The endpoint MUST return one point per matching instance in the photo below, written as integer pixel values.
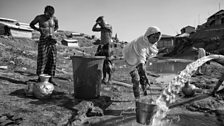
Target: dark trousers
(138, 78)
(104, 50)
(107, 69)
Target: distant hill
(211, 39)
(84, 41)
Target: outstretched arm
(142, 73)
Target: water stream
(169, 94)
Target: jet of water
(169, 94)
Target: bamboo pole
(130, 85)
(189, 100)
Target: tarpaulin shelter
(208, 34)
(70, 42)
(14, 28)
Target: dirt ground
(116, 101)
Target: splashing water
(169, 94)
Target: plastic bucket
(87, 74)
(145, 112)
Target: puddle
(166, 67)
(165, 78)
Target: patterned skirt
(46, 58)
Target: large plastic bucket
(145, 112)
(87, 74)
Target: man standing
(106, 39)
(46, 58)
(136, 53)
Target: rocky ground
(17, 68)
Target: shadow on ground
(63, 100)
(25, 73)
(12, 80)
(120, 117)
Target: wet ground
(116, 101)
(122, 111)
(201, 111)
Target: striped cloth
(46, 58)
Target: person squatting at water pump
(46, 59)
(136, 53)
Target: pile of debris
(81, 112)
(10, 119)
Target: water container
(145, 112)
(43, 89)
(87, 75)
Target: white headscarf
(149, 31)
(138, 50)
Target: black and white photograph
(111, 62)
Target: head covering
(138, 50)
(149, 31)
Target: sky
(128, 18)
